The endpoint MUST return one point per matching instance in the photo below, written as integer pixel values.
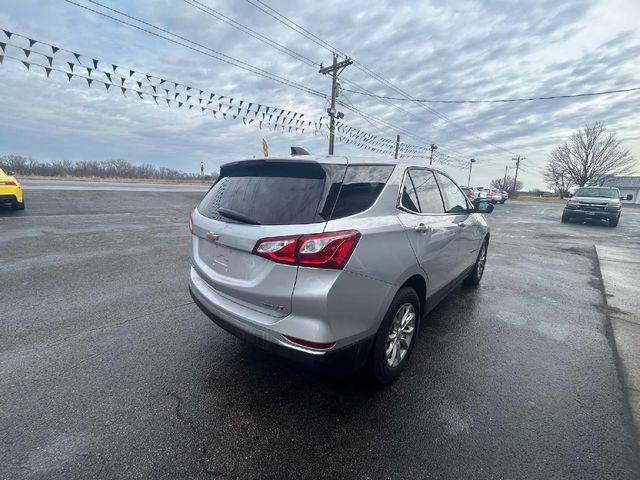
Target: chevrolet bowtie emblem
(212, 236)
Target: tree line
(116, 168)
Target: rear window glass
(287, 193)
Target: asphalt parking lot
(108, 370)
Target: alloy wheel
(400, 334)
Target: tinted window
(421, 193)
(287, 193)
(596, 192)
(360, 188)
(273, 193)
(454, 199)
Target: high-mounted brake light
(320, 250)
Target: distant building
(626, 185)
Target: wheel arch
(419, 284)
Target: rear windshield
(283, 193)
(596, 192)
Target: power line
(500, 100)
(214, 53)
(249, 31)
(314, 38)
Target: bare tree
(591, 152)
(557, 179)
(505, 183)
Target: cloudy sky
(433, 50)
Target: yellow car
(10, 191)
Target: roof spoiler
(298, 151)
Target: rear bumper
(9, 198)
(589, 214)
(343, 360)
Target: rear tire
(19, 206)
(478, 269)
(565, 218)
(396, 337)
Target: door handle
(462, 224)
(422, 228)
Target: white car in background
(476, 194)
(496, 195)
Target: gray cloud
(431, 49)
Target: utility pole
(518, 159)
(471, 162)
(504, 182)
(397, 146)
(335, 69)
(433, 147)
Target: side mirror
(629, 197)
(484, 207)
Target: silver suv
(333, 261)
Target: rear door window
(420, 192)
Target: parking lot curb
(620, 274)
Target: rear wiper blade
(241, 217)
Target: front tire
(565, 218)
(478, 269)
(396, 337)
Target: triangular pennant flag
(251, 120)
(154, 89)
(200, 101)
(294, 115)
(2, 45)
(162, 80)
(139, 84)
(122, 79)
(8, 34)
(250, 103)
(32, 42)
(123, 91)
(140, 95)
(190, 107)
(175, 85)
(77, 55)
(211, 96)
(175, 97)
(155, 98)
(115, 67)
(179, 104)
(188, 97)
(166, 90)
(267, 110)
(107, 86)
(260, 124)
(239, 110)
(235, 116)
(221, 97)
(241, 102)
(131, 72)
(54, 50)
(95, 63)
(70, 75)
(89, 81)
(89, 70)
(26, 64)
(108, 75)
(188, 88)
(148, 78)
(50, 59)
(48, 70)
(203, 109)
(244, 120)
(224, 115)
(214, 114)
(168, 101)
(26, 52)
(230, 101)
(259, 107)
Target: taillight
(191, 222)
(321, 250)
(8, 182)
(470, 194)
